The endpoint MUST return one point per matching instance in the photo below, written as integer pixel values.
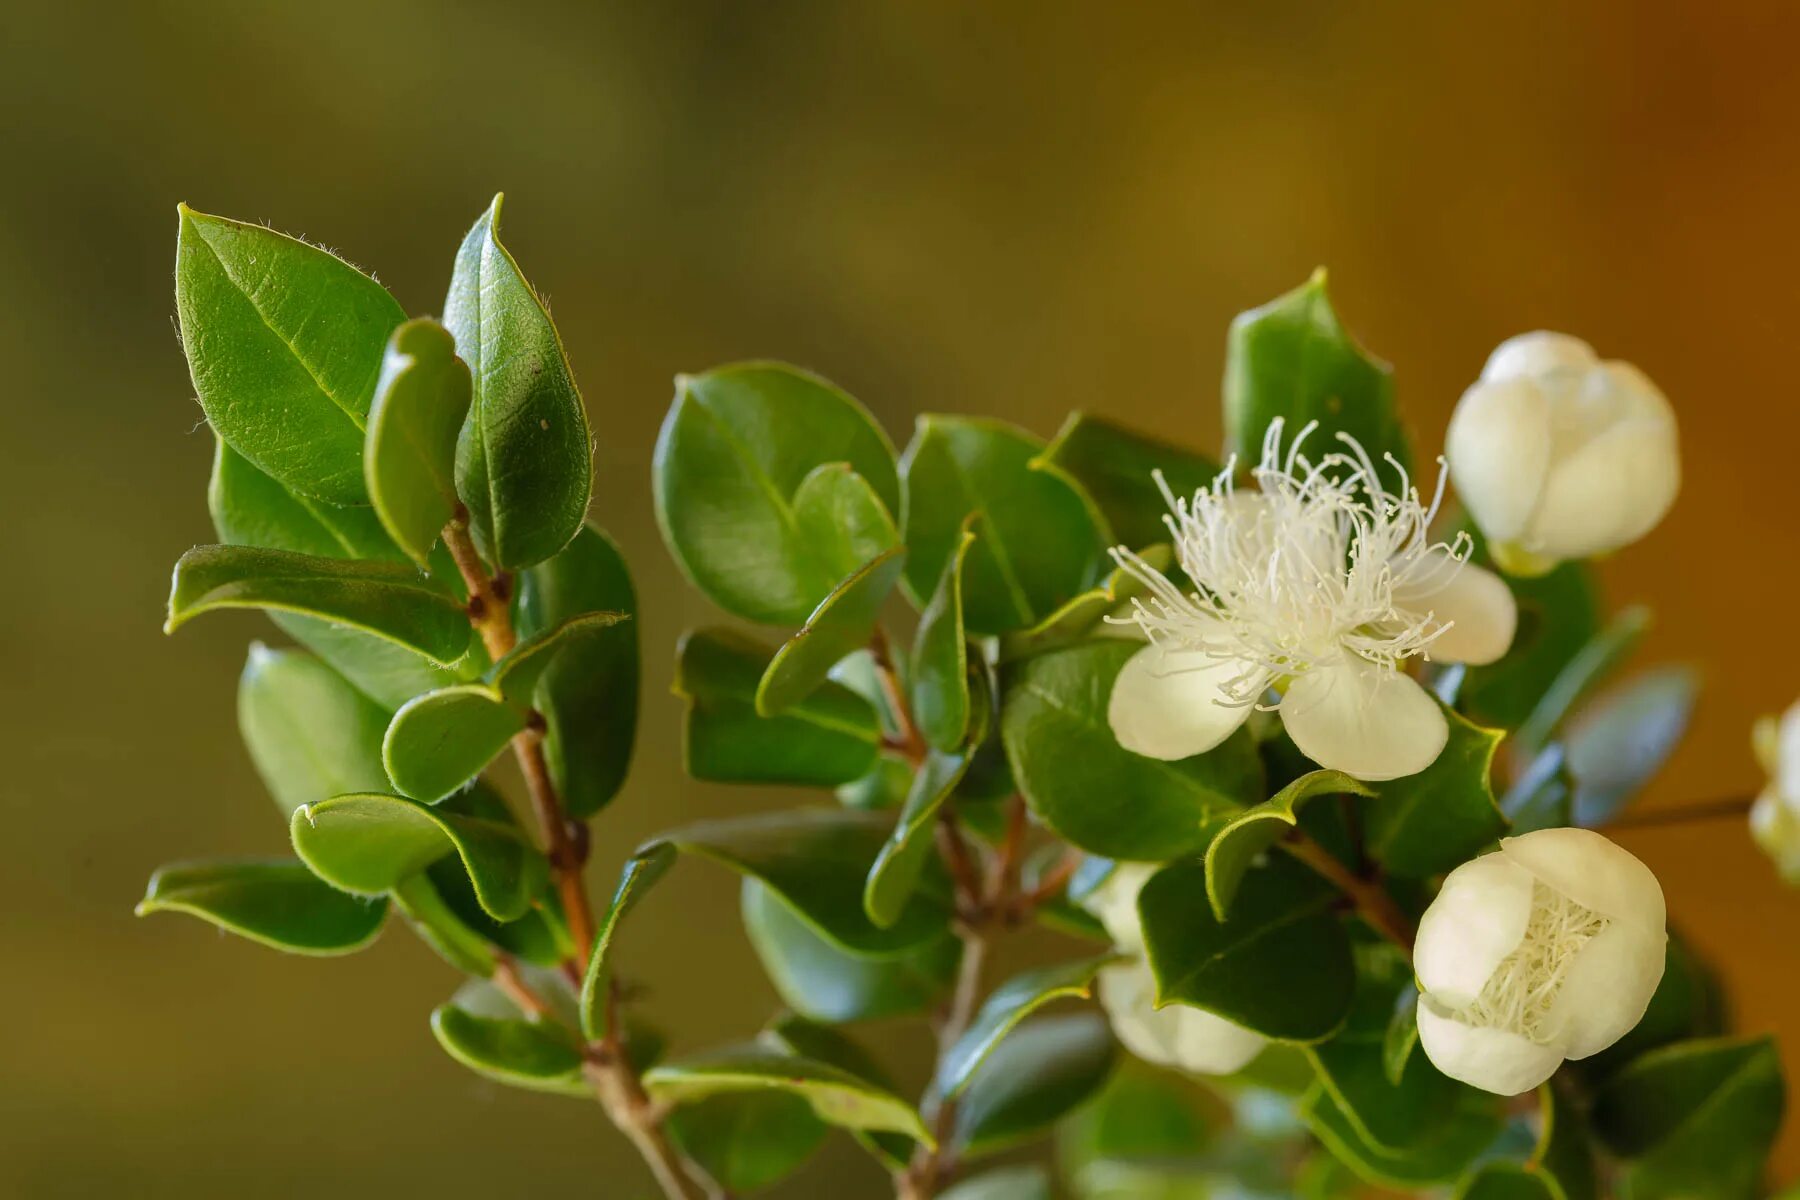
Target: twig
(1004, 879)
(1372, 902)
(971, 905)
(508, 980)
(907, 742)
(930, 1169)
(637, 1117)
(1048, 888)
(1681, 814)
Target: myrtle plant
(1289, 770)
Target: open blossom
(1546, 949)
(1775, 817)
(1318, 586)
(1559, 455)
(1189, 1039)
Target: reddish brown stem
(907, 741)
(1682, 814)
(1372, 902)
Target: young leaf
(438, 742)
(940, 674)
(736, 449)
(1116, 468)
(1045, 1069)
(539, 1055)
(1085, 615)
(747, 1141)
(385, 599)
(1005, 1007)
(1037, 543)
(1091, 791)
(640, 874)
(524, 464)
(516, 676)
(277, 902)
(409, 451)
(1622, 740)
(842, 520)
(1254, 830)
(310, 734)
(1428, 823)
(836, 1096)
(895, 873)
(284, 342)
(841, 624)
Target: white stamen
(1522, 990)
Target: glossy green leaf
(1085, 615)
(1116, 468)
(385, 599)
(1282, 964)
(1401, 1038)
(736, 449)
(1037, 543)
(523, 462)
(896, 871)
(1694, 1119)
(1241, 842)
(1542, 796)
(1439, 1157)
(836, 1048)
(1619, 743)
(250, 508)
(1033, 1078)
(438, 742)
(1143, 1115)
(1592, 663)
(540, 937)
(747, 1141)
(1505, 1181)
(518, 674)
(836, 1096)
(310, 734)
(1003, 1010)
(1091, 791)
(1559, 614)
(367, 844)
(409, 449)
(1564, 1154)
(1428, 823)
(277, 902)
(821, 980)
(441, 928)
(1292, 359)
(831, 737)
(284, 342)
(884, 786)
(940, 658)
(588, 696)
(816, 860)
(539, 1055)
(842, 623)
(640, 873)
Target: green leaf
(640, 873)
(1005, 1007)
(588, 696)
(1565, 1153)
(1293, 360)
(836, 1096)
(1085, 615)
(940, 660)
(832, 737)
(816, 860)
(284, 342)
(884, 786)
(1142, 1115)
(516, 676)
(895, 874)
(1592, 663)
(736, 449)
(1036, 540)
(1505, 1181)
(409, 451)
(386, 599)
(747, 1141)
(820, 979)
(1694, 1119)
(1622, 740)
(441, 928)
(249, 508)
(1007, 1183)
(1254, 830)
(310, 734)
(540, 937)
(277, 902)
(1033, 1078)
(1091, 791)
(367, 844)
(1542, 796)
(1436, 1158)
(841, 624)
(1115, 467)
(438, 742)
(1402, 1035)
(835, 1048)
(1559, 614)
(540, 1055)
(1428, 823)
(1282, 964)
(524, 465)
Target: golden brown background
(1004, 208)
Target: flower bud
(1179, 1035)
(1775, 817)
(1547, 949)
(1559, 455)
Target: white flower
(1319, 585)
(1547, 949)
(1775, 817)
(1180, 1036)
(1559, 455)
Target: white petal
(1474, 602)
(1607, 989)
(1498, 450)
(1610, 492)
(1169, 704)
(1477, 918)
(1536, 353)
(1177, 1036)
(1593, 872)
(1787, 755)
(1114, 902)
(1358, 718)
(1490, 1059)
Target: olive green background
(1012, 209)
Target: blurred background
(1010, 208)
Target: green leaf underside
(1592, 663)
(409, 452)
(940, 675)
(1623, 739)
(440, 928)
(1428, 823)
(1115, 466)
(1003, 1010)
(841, 624)
(836, 1096)
(747, 1141)
(830, 738)
(897, 868)
(1542, 796)
(438, 742)
(367, 844)
(1088, 789)
(539, 1055)
(737, 446)
(1048, 1066)
(1086, 614)
(310, 734)
(284, 342)
(385, 599)
(277, 902)
(1037, 543)
(539, 937)
(835, 1048)
(1254, 830)
(523, 460)
(1281, 966)
(639, 875)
